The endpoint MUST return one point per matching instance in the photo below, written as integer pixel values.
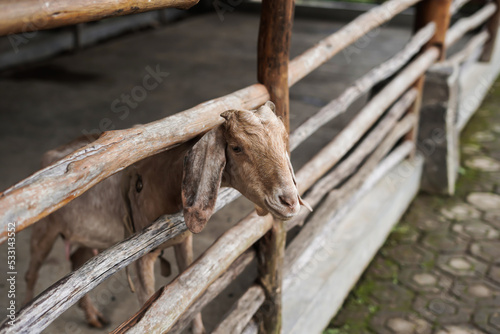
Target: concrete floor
(49, 104)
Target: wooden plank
(241, 312)
(492, 28)
(273, 57)
(437, 11)
(17, 16)
(314, 296)
(350, 33)
(462, 26)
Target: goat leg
(184, 257)
(43, 237)
(92, 314)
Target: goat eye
(237, 149)
(138, 184)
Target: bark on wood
(492, 28)
(17, 16)
(52, 187)
(241, 312)
(350, 33)
(348, 137)
(273, 58)
(437, 11)
(456, 5)
(273, 53)
(362, 86)
(353, 161)
(462, 26)
(251, 328)
(305, 244)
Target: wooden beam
(437, 11)
(273, 57)
(492, 28)
(463, 26)
(18, 16)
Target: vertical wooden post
(273, 58)
(437, 11)
(492, 27)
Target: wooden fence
(381, 135)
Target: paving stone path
(439, 271)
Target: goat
(247, 152)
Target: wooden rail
(459, 29)
(17, 16)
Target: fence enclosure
(299, 287)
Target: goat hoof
(97, 320)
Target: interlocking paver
(439, 271)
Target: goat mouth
(277, 213)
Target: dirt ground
(53, 102)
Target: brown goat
(247, 152)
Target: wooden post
(492, 27)
(273, 58)
(437, 11)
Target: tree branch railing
(19, 16)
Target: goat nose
(288, 201)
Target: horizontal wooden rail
(456, 5)
(363, 85)
(462, 26)
(305, 63)
(472, 46)
(346, 139)
(18, 16)
(241, 312)
(54, 186)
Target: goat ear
(203, 167)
